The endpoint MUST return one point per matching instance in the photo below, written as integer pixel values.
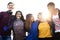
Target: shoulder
(3, 12)
(35, 22)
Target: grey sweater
(19, 32)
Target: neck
(18, 19)
(44, 21)
(9, 10)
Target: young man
(55, 15)
(5, 22)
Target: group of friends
(39, 29)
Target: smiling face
(10, 6)
(18, 15)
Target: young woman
(18, 26)
(33, 33)
(45, 29)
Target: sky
(29, 6)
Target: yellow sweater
(44, 30)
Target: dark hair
(28, 22)
(50, 4)
(9, 3)
(59, 13)
(22, 18)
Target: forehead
(51, 6)
(11, 4)
(19, 13)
